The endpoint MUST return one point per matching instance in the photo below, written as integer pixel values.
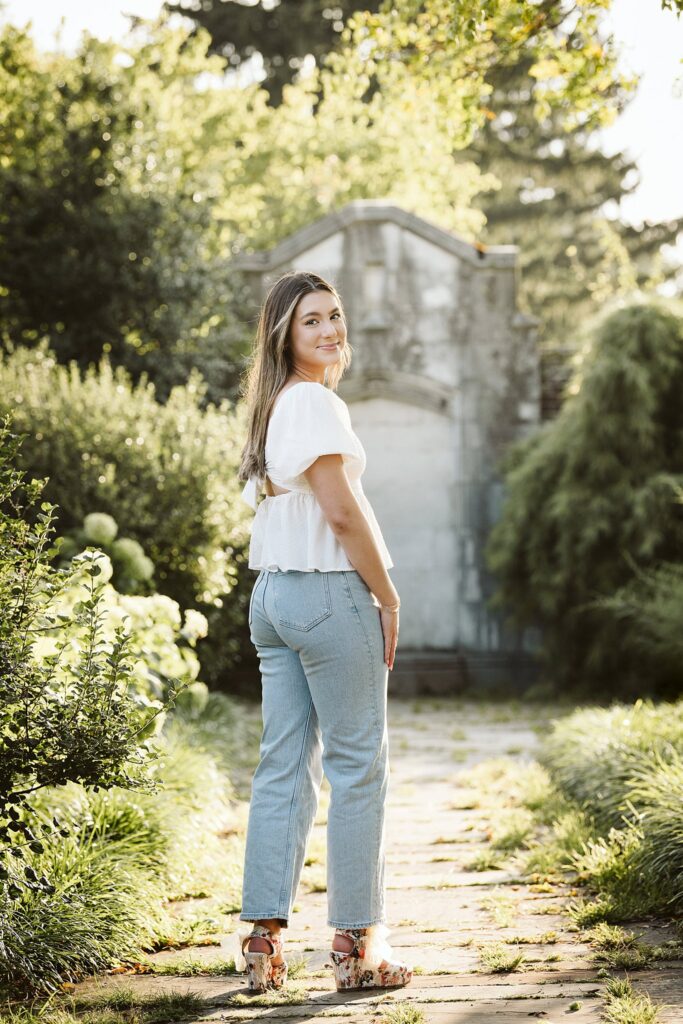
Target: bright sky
(651, 40)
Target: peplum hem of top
(290, 532)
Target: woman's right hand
(389, 622)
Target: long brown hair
(271, 361)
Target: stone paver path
(439, 912)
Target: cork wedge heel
(262, 973)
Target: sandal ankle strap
(369, 944)
(358, 936)
(259, 931)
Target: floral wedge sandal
(369, 964)
(263, 973)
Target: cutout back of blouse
(289, 531)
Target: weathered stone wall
(445, 375)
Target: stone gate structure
(444, 376)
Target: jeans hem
(363, 924)
(264, 917)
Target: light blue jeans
(319, 641)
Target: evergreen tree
(556, 186)
(593, 501)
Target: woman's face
(317, 334)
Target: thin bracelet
(390, 607)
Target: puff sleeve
(314, 422)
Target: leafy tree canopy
(131, 173)
(550, 184)
(454, 46)
(108, 243)
(449, 46)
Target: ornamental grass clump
(623, 1005)
(594, 754)
(623, 767)
(125, 856)
(658, 793)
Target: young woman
(323, 616)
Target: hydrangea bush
(86, 674)
(163, 476)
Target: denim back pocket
(302, 599)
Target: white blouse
(289, 531)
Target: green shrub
(166, 475)
(160, 641)
(593, 499)
(68, 714)
(648, 610)
(98, 828)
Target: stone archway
(444, 376)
